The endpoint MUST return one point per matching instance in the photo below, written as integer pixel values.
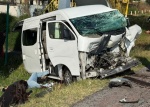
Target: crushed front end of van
(105, 43)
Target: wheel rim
(68, 77)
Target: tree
(148, 1)
(31, 2)
(118, 4)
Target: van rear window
(29, 37)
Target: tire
(68, 79)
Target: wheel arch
(62, 67)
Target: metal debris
(118, 82)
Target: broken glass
(98, 24)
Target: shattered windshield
(98, 24)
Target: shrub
(14, 39)
(141, 21)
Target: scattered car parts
(125, 100)
(118, 82)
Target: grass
(64, 96)
(141, 51)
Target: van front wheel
(68, 79)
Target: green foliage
(133, 8)
(117, 4)
(148, 1)
(141, 21)
(12, 21)
(24, 16)
(14, 39)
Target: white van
(78, 42)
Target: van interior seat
(44, 43)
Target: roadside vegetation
(64, 96)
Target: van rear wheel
(68, 79)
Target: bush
(141, 21)
(14, 38)
(148, 1)
(24, 16)
(12, 20)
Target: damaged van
(79, 42)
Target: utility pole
(127, 8)
(7, 25)
(63, 4)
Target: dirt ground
(137, 96)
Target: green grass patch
(64, 96)
(14, 38)
(141, 51)
(141, 21)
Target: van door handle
(51, 49)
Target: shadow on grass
(144, 61)
(143, 46)
(42, 93)
(126, 72)
(14, 61)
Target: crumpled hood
(86, 44)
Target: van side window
(29, 37)
(58, 30)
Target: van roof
(76, 11)
(67, 13)
(85, 10)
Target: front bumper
(131, 63)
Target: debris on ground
(125, 100)
(118, 82)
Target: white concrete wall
(143, 0)
(17, 10)
(13, 10)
